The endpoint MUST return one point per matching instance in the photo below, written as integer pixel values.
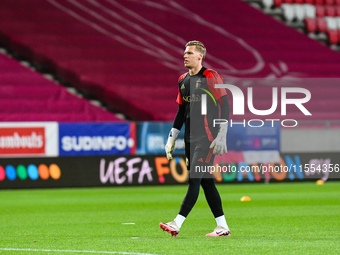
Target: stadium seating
(129, 53)
(319, 16)
(28, 96)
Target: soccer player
(203, 140)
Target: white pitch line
(77, 251)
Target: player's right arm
(176, 127)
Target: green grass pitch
(281, 218)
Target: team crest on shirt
(183, 87)
(198, 83)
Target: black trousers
(199, 158)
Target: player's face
(192, 57)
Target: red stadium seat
(329, 2)
(337, 10)
(288, 1)
(333, 37)
(299, 1)
(310, 25)
(320, 11)
(330, 11)
(321, 25)
(278, 3)
(312, 2)
(319, 2)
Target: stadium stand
(129, 53)
(26, 95)
(320, 19)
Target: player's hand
(170, 145)
(220, 143)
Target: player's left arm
(220, 142)
(225, 108)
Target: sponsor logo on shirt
(192, 98)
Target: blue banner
(78, 139)
(152, 137)
(243, 138)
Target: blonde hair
(199, 47)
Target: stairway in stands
(26, 95)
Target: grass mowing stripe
(74, 251)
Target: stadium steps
(26, 95)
